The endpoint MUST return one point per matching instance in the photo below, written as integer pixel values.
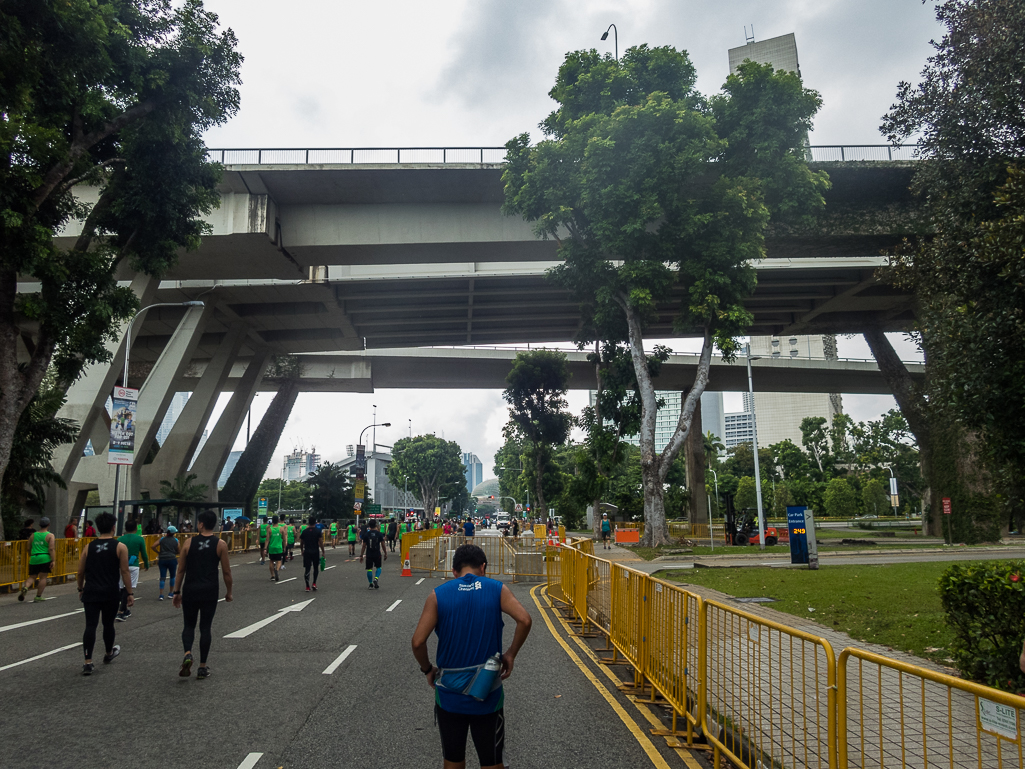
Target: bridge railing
(765, 694)
(258, 156)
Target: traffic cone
(406, 571)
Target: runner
(309, 539)
(290, 530)
(334, 534)
(98, 569)
(352, 539)
(90, 530)
(372, 542)
(136, 546)
(275, 547)
(466, 613)
(197, 593)
(606, 531)
(393, 530)
(167, 559)
(42, 558)
(71, 530)
(263, 541)
(468, 529)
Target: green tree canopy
(840, 499)
(330, 491)
(536, 395)
(113, 94)
(431, 466)
(659, 206)
(875, 497)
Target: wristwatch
(430, 667)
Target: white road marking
(250, 629)
(282, 582)
(250, 761)
(340, 659)
(46, 654)
(37, 621)
(330, 567)
(392, 607)
(250, 563)
(420, 580)
(219, 600)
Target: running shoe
(128, 613)
(121, 617)
(21, 594)
(307, 588)
(376, 583)
(108, 658)
(370, 586)
(186, 669)
(277, 577)
(202, 673)
(160, 597)
(88, 668)
(314, 585)
(38, 599)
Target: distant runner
(606, 531)
(334, 534)
(291, 537)
(102, 562)
(393, 530)
(42, 559)
(275, 547)
(167, 559)
(311, 544)
(136, 547)
(263, 541)
(352, 539)
(372, 541)
(197, 594)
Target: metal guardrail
(818, 153)
(769, 695)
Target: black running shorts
(276, 556)
(373, 560)
(604, 536)
(40, 568)
(487, 730)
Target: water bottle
(486, 678)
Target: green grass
(650, 553)
(896, 605)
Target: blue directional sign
(798, 534)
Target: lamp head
(194, 303)
(605, 36)
(386, 424)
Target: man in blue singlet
(466, 613)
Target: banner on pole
(121, 450)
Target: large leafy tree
(966, 271)
(183, 489)
(113, 94)
(659, 201)
(536, 394)
(431, 466)
(330, 491)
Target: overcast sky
(336, 73)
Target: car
(502, 520)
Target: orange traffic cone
(406, 571)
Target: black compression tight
(93, 612)
(203, 611)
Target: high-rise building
(233, 458)
(300, 464)
(669, 416)
(474, 472)
(780, 52)
(174, 410)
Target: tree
(840, 500)
(330, 491)
(966, 110)
(814, 439)
(781, 497)
(431, 466)
(537, 406)
(713, 448)
(875, 497)
(115, 94)
(659, 203)
(183, 489)
(293, 495)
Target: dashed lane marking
(339, 660)
(282, 582)
(330, 567)
(37, 621)
(250, 761)
(40, 656)
(420, 580)
(392, 607)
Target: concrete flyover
(349, 258)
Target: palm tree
(182, 489)
(713, 448)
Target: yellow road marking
(642, 739)
(684, 753)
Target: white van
(502, 520)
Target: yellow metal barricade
(540, 530)
(893, 714)
(630, 617)
(585, 545)
(769, 691)
(599, 592)
(554, 571)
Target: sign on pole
(946, 506)
(360, 487)
(519, 508)
(122, 426)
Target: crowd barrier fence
(763, 694)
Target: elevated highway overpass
(345, 260)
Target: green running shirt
(274, 540)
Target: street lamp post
(711, 534)
(615, 37)
(124, 385)
(754, 440)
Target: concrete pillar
(175, 454)
(211, 460)
(85, 403)
(694, 456)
